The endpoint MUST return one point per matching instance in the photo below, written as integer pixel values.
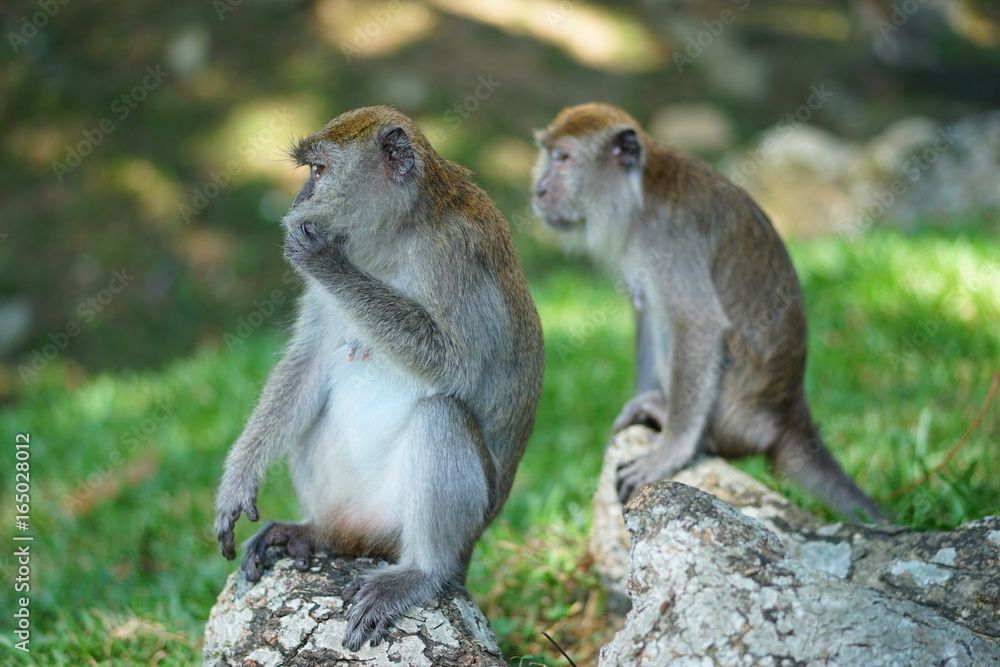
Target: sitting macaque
(721, 325)
(408, 391)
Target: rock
(811, 182)
(291, 617)
(609, 540)
(800, 175)
(694, 127)
(956, 573)
(954, 170)
(710, 585)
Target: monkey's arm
(394, 324)
(691, 370)
(289, 403)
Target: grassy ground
(905, 337)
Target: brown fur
(719, 293)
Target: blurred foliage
(182, 176)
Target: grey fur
(408, 450)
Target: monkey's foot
(634, 474)
(377, 599)
(647, 408)
(295, 537)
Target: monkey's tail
(802, 457)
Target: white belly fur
(348, 470)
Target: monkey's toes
(296, 538)
(647, 409)
(632, 475)
(367, 619)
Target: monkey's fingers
(227, 544)
(302, 241)
(300, 548)
(224, 523)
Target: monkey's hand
(228, 507)
(647, 408)
(307, 247)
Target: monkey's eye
(560, 157)
(317, 170)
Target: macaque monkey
(721, 326)
(407, 393)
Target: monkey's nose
(541, 191)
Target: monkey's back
(510, 387)
(754, 280)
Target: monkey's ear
(626, 149)
(397, 158)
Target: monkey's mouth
(557, 222)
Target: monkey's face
(362, 175)
(557, 185)
(583, 182)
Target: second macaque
(721, 324)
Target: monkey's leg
(445, 505)
(296, 537)
(648, 406)
(692, 370)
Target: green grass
(904, 339)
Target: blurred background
(152, 138)
(143, 295)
